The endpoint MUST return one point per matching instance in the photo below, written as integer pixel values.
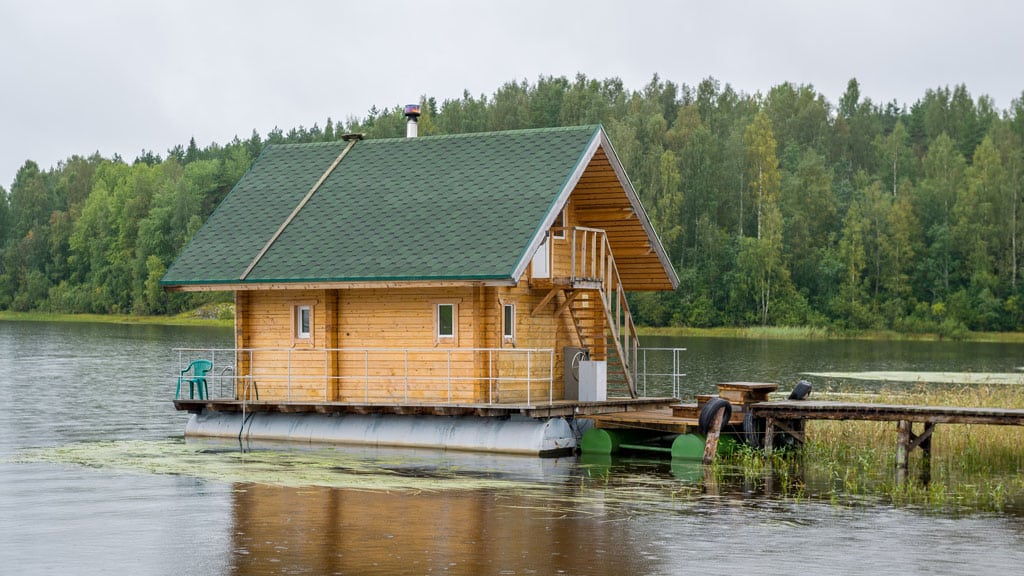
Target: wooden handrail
(591, 259)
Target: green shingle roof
(460, 207)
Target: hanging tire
(801, 391)
(707, 414)
(753, 430)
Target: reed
(973, 467)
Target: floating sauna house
(428, 291)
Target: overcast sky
(119, 77)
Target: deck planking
(556, 408)
(815, 410)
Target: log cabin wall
(540, 330)
(374, 327)
(296, 367)
(407, 318)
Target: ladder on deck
(597, 305)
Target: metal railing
(372, 375)
(661, 367)
(404, 375)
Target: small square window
(446, 320)
(508, 329)
(303, 321)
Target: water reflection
(346, 532)
(133, 501)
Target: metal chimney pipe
(412, 113)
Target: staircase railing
(592, 265)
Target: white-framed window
(447, 321)
(508, 322)
(303, 322)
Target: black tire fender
(707, 414)
(753, 430)
(801, 391)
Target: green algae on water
(292, 468)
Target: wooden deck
(534, 410)
(660, 420)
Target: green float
(683, 447)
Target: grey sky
(120, 77)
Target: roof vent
(412, 113)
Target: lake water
(95, 479)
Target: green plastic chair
(197, 381)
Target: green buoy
(691, 446)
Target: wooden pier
(789, 415)
(750, 402)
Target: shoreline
(185, 319)
(812, 333)
(749, 333)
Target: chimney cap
(412, 111)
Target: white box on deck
(593, 381)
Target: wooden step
(693, 411)
(746, 392)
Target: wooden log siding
(599, 201)
(381, 345)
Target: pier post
(711, 443)
(769, 435)
(903, 433)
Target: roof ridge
(495, 133)
(483, 134)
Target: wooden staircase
(596, 303)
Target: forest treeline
(779, 208)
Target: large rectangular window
(446, 320)
(508, 326)
(303, 321)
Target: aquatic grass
(973, 467)
(753, 332)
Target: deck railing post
(213, 370)
(450, 375)
(288, 378)
(366, 375)
(572, 258)
(675, 373)
(528, 368)
(551, 377)
(490, 377)
(250, 371)
(645, 372)
(406, 374)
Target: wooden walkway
(789, 416)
